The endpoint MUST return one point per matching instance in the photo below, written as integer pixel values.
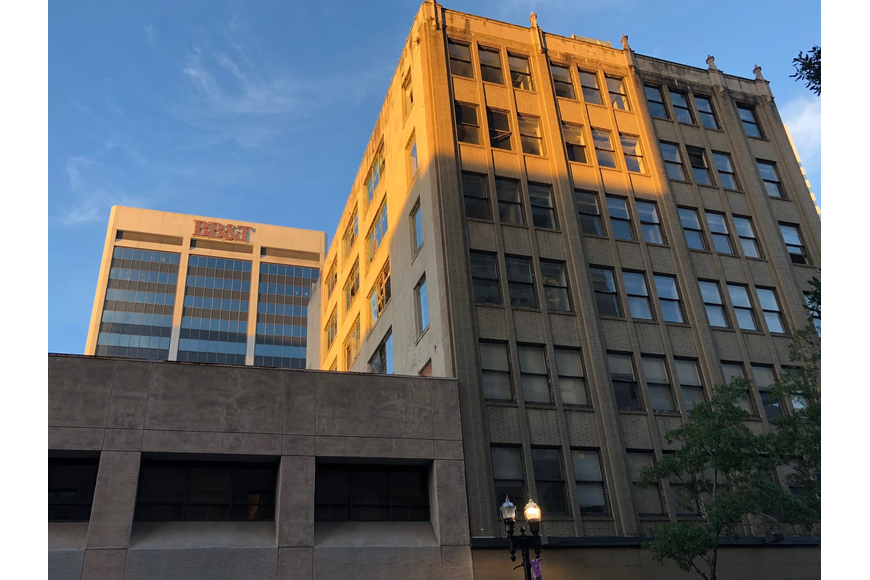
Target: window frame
(537, 138)
(519, 73)
(384, 352)
(492, 282)
(741, 225)
(720, 305)
(699, 231)
(492, 370)
(601, 152)
(553, 284)
(562, 83)
(673, 162)
(574, 378)
(60, 503)
(661, 101)
(617, 222)
(763, 391)
(745, 402)
(731, 175)
(352, 344)
(621, 92)
(587, 90)
(662, 298)
(509, 207)
(632, 298)
(518, 283)
(631, 387)
(685, 107)
(381, 293)
(754, 122)
(719, 231)
(600, 480)
(518, 450)
(541, 350)
(377, 231)
(776, 181)
(467, 193)
(417, 236)
(658, 387)
(702, 114)
(407, 95)
(497, 135)
(594, 217)
(351, 290)
(465, 131)
(539, 209)
(637, 491)
(698, 162)
(688, 386)
(804, 258)
(742, 291)
(570, 132)
(423, 472)
(772, 312)
(650, 226)
(451, 58)
(489, 67)
(612, 291)
(542, 483)
(636, 157)
(421, 302)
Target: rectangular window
(659, 385)
(589, 478)
(499, 129)
(370, 493)
(331, 281)
(650, 224)
(382, 361)
(533, 374)
(791, 235)
(475, 195)
(747, 238)
(572, 381)
(417, 227)
(731, 370)
(605, 291)
(484, 278)
(460, 59)
(331, 329)
(351, 345)
(632, 153)
(467, 124)
(381, 292)
(71, 484)
(698, 161)
(681, 108)
(770, 177)
(588, 212)
(507, 473)
(350, 234)
(669, 298)
(407, 95)
(719, 232)
(510, 207)
(713, 303)
(604, 148)
(692, 228)
(496, 371)
(205, 491)
(351, 287)
(549, 480)
(422, 302)
(727, 176)
(624, 381)
(555, 286)
(575, 143)
(770, 308)
(521, 74)
(490, 65)
(742, 307)
(376, 234)
(620, 220)
(618, 96)
(705, 110)
(530, 135)
(521, 283)
(750, 122)
(413, 164)
(656, 102)
(562, 81)
(764, 380)
(690, 383)
(589, 86)
(638, 295)
(375, 174)
(647, 500)
(673, 160)
(541, 201)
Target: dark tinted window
(71, 484)
(381, 493)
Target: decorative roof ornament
(711, 63)
(534, 20)
(757, 71)
(624, 41)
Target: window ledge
(779, 198)
(563, 312)
(722, 328)
(596, 236)
(780, 334)
(720, 130)
(422, 334)
(679, 180)
(758, 138)
(687, 124)
(467, 144)
(596, 518)
(488, 305)
(616, 169)
(510, 225)
(644, 321)
(587, 164)
(755, 332)
(679, 324)
(556, 230)
(524, 91)
(501, 403)
(740, 191)
(535, 156)
(479, 220)
(578, 408)
(539, 405)
(662, 518)
(608, 317)
(701, 251)
(750, 258)
(632, 412)
(525, 309)
(709, 186)
(667, 414)
(635, 242)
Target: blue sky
(260, 111)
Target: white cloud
(92, 192)
(803, 117)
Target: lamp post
(523, 542)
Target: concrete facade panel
(550, 245)
(630, 255)
(114, 500)
(758, 348)
(505, 163)
(661, 260)
(81, 394)
(104, 565)
(572, 112)
(452, 510)
(727, 345)
(300, 390)
(375, 563)
(503, 424)
(528, 326)
(537, 169)
(202, 564)
(294, 512)
(635, 431)
(211, 442)
(543, 429)
(682, 341)
(445, 410)
(481, 236)
(75, 438)
(465, 91)
(516, 241)
(492, 323)
(582, 429)
(616, 335)
(497, 97)
(295, 563)
(614, 181)
(474, 159)
(65, 564)
(598, 251)
(391, 447)
(665, 424)
(527, 103)
(711, 198)
(599, 118)
(122, 440)
(626, 122)
(563, 328)
(584, 176)
(129, 394)
(649, 338)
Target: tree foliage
(808, 68)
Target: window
(484, 278)
(791, 235)
(422, 302)
(413, 164)
(331, 281)
(727, 176)
(605, 292)
(499, 129)
(370, 493)
(705, 111)
(604, 148)
(638, 295)
(618, 96)
(572, 383)
(549, 480)
(669, 298)
(649, 222)
(382, 361)
(817, 320)
(417, 228)
(331, 329)
(530, 135)
(555, 286)
(624, 381)
(575, 143)
(620, 221)
(764, 380)
(350, 233)
(690, 383)
(533, 374)
(426, 371)
(770, 178)
(496, 371)
(351, 287)
(351, 345)
(673, 160)
(541, 198)
(656, 373)
(71, 483)
(589, 86)
(747, 237)
(656, 102)
(588, 212)
(490, 65)
(521, 283)
(750, 122)
(742, 307)
(719, 231)
(407, 95)
(205, 491)
(632, 153)
(467, 125)
(507, 473)
(460, 59)
(713, 303)
(377, 232)
(692, 228)
(510, 207)
(681, 108)
(647, 500)
(521, 74)
(589, 481)
(475, 196)
(375, 174)
(698, 161)
(770, 309)
(381, 293)
(562, 81)
(731, 370)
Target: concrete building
(199, 289)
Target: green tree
(808, 68)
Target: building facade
(191, 288)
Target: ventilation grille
(222, 246)
(152, 238)
(294, 254)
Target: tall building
(191, 288)
(588, 239)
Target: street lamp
(523, 542)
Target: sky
(260, 111)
